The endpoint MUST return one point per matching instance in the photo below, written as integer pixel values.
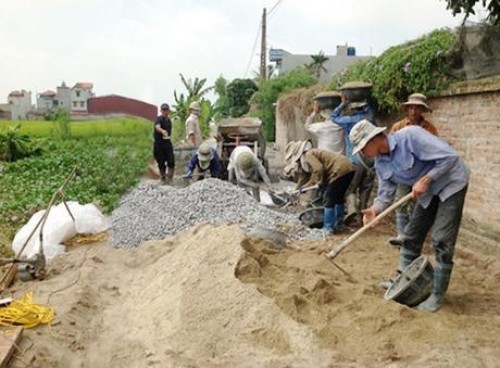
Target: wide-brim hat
(362, 133)
(205, 152)
(417, 99)
(295, 149)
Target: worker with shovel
(332, 172)
(205, 162)
(415, 108)
(439, 180)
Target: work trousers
(334, 192)
(444, 218)
(163, 153)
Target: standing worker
(193, 132)
(347, 115)
(439, 180)
(246, 170)
(331, 172)
(415, 108)
(163, 150)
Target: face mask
(204, 164)
(247, 173)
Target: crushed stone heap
(150, 212)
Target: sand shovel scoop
(335, 252)
(289, 198)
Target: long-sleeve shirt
(347, 122)
(414, 152)
(325, 167)
(427, 125)
(330, 136)
(215, 166)
(193, 127)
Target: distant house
(20, 102)
(5, 111)
(80, 93)
(46, 101)
(64, 97)
(346, 55)
(79, 100)
(114, 104)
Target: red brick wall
(470, 121)
(118, 104)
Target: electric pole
(263, 67)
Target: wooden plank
(7, 275)
(9, 338)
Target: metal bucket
(313, 217)
(414, 284)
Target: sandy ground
(210, 297)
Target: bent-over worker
(332, 173)
(205, 162)
(246, 170)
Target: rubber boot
(338, 221)
(162, 176)
(351, 217)
(441, 280)
(402, 220)
(328, 220)
(406, 257)
(170, 175)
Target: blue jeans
(445, 218)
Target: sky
(138, 48)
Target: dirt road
(210, 297)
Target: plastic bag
(58, 228)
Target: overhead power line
(275, 6)
(252, 54)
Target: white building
(20, 102)
(346, 55)
(80, 93)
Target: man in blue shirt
(347, 115)
(204, 161)
(439, 179)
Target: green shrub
(271, 89)
(417, 66)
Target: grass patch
(111, 156)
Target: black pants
(334, 192)
(163, 153)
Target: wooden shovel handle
(332, 254)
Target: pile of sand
(212, 297)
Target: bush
(271, 89)
(421, 66)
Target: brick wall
(468, 117)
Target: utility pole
(263, 66)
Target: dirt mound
(211, 297)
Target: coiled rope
(26, 313)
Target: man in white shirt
(246, 170)
(329, 135)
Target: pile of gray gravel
(150, 212)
